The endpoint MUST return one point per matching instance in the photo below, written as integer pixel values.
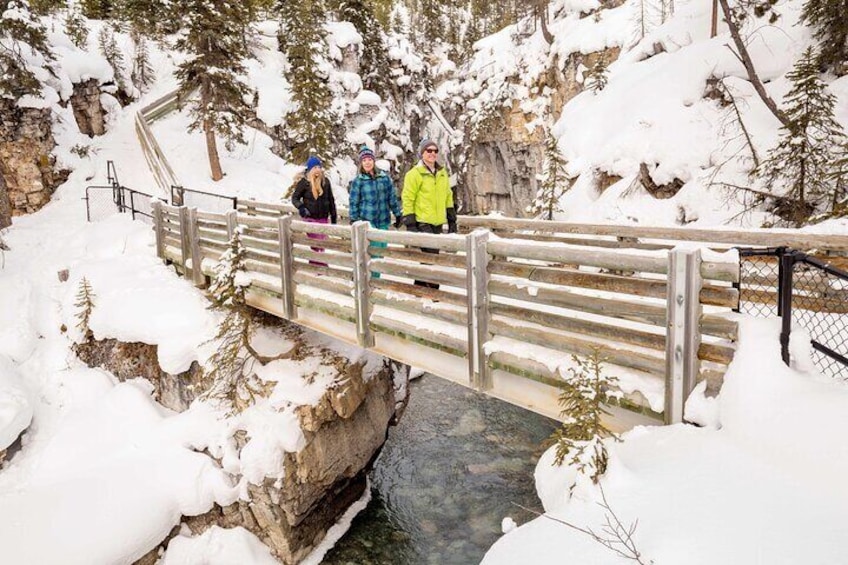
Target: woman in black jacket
(313, 198)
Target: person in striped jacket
(373, 197)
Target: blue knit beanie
(365, 153)
(425, 143)
(313, 161)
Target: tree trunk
(714, 26)
(542, 12)
(5, 205)
(745, 57)
(212, 150)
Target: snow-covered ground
(765, 485)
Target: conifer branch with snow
(85, 306)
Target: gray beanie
(425, 143)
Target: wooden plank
(477, 293)
(431, 294)
(683, 331)
(381, 322)
(212, 218)
(422, 307)
(406, 254)
(761, 238)
(158, 228)
(335, 244)
(620, 243)
(197, 276)
(444, 242)
(272, 247)
(439, 275)
(324, 270)
(601, 258)
(653, 364)
(212, 245)
(329, 257)
(717, 326)
(264, 234)
(252, 222)
(653, 314)
(286, 258)
(330, 284)
(213, 235)
(326, 229)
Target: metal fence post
(477, 288)
(683, 332)
(194, 243)
(158, 228)
(132, 204)
(784, 300)
(361, 283)
(286, 268)
(184, 243)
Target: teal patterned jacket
(373, 199)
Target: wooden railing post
(232, 222)
(361, 283)
(683, 332)
(194, 244)
(286, 267)
(185, 249)
(477, 287)
(158, 228)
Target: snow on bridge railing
(515, 309)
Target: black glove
(451, 212)
(409, 221)
(304, 212)
(398, 221)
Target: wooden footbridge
(517, 298)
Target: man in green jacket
(427, 197)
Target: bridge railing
(508, 306)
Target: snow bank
(15, 406)
(218, 546)
(769, 485)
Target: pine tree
(149, 18)
(142, 74)
(829, 19)
(215, 41)
(581, 437)
(112, 53)
(554, 181)
(431, 14)
(46, 7)
(76, 27)
(97, 9)
(22, 42)
(373, 62)
(595, 79)
(310, 123)
(85, 306)
(235, 330)
(802, 165)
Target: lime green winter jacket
(426, 195)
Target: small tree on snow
(142, 74)
(802, 164)
(554, 181)
(112, 53)
(234, 350)
(580, 440)
(85, 306)
(595, 78)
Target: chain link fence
(807, 294)
(104, 201)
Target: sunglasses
(431, 150)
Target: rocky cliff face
(88, 110)
(27, 169)
(507, 154)
(344, 432)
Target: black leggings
(426, 228)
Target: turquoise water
(447, 476)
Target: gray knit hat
(425, 143)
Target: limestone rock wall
(88, 111)
(27, 169)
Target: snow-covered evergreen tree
(23, 46)
(214, 38)
(595, 78)
(554, 181)
(311, 122)
(76, 26)
(580, 440)
(142, 74)
(112, 53)
(46, 7)
(373, 63)
(97, 9)
(802, 165)
(829, 20)
(85, 306)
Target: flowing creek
(447, 476)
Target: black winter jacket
(322, 207)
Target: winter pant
(380, 244)
(317, 236)
(427, 228)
